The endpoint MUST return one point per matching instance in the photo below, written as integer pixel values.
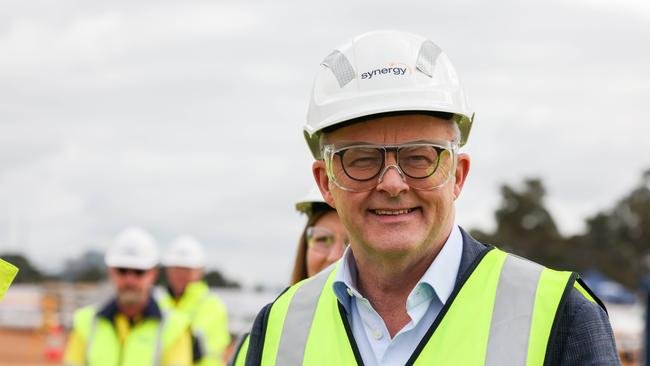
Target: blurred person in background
(323, 239)
(131, 329)
(184, 264)
(7, 274)
(322, 242)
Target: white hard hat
(133, 248)
(305, 204)
(185, 252)
(380, 72)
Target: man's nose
(392, 181)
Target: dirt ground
(24, 348)
(29, 347)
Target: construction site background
(35, 320)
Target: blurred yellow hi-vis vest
(7, 273)
(208, 317)
(146, 344)
(503, 314)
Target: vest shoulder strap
(582, 287)
(294, 312)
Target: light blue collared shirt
(423, 305)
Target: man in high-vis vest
(386, 122)
(184, 262)
(130, 329)
(7, 274)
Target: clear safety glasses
(322, 239)
(423, 165)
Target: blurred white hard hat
(305, 204)
(380, 72)
(185, 252)
(133, 248)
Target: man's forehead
(394, 128)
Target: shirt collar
(440, 276)
(110, 310)
(345, 280)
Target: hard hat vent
(340, 67)
(131, 251)
(427, 57)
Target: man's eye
(364, 162)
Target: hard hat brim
(129, 262)
(464, 121)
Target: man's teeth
(393, 212)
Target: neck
(132, 310)
(178, 294)
(387, 281)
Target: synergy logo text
(397, 69)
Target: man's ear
(462, 170)
(323, 181)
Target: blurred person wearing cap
(7, 274)
(386, 122)
(184, 264)
(131, 329)
(323, 239)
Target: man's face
(393, 219)
(180, 277)
(132, 285)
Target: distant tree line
(27, 272)
(90, 268)
(616, 241)
(212, 278)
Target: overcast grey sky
(186, 117)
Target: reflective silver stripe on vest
(198, 334)
(513, 312)
(159, 339)
(298, 320)
(238, 350)
(91, 338)
(340, 67)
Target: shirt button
(377, 334)
(349, 291)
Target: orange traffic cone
(54, 342)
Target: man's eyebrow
(346, 143)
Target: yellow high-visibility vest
(147, 342)
(502, 314)
(7, 274)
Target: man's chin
(390, 246)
